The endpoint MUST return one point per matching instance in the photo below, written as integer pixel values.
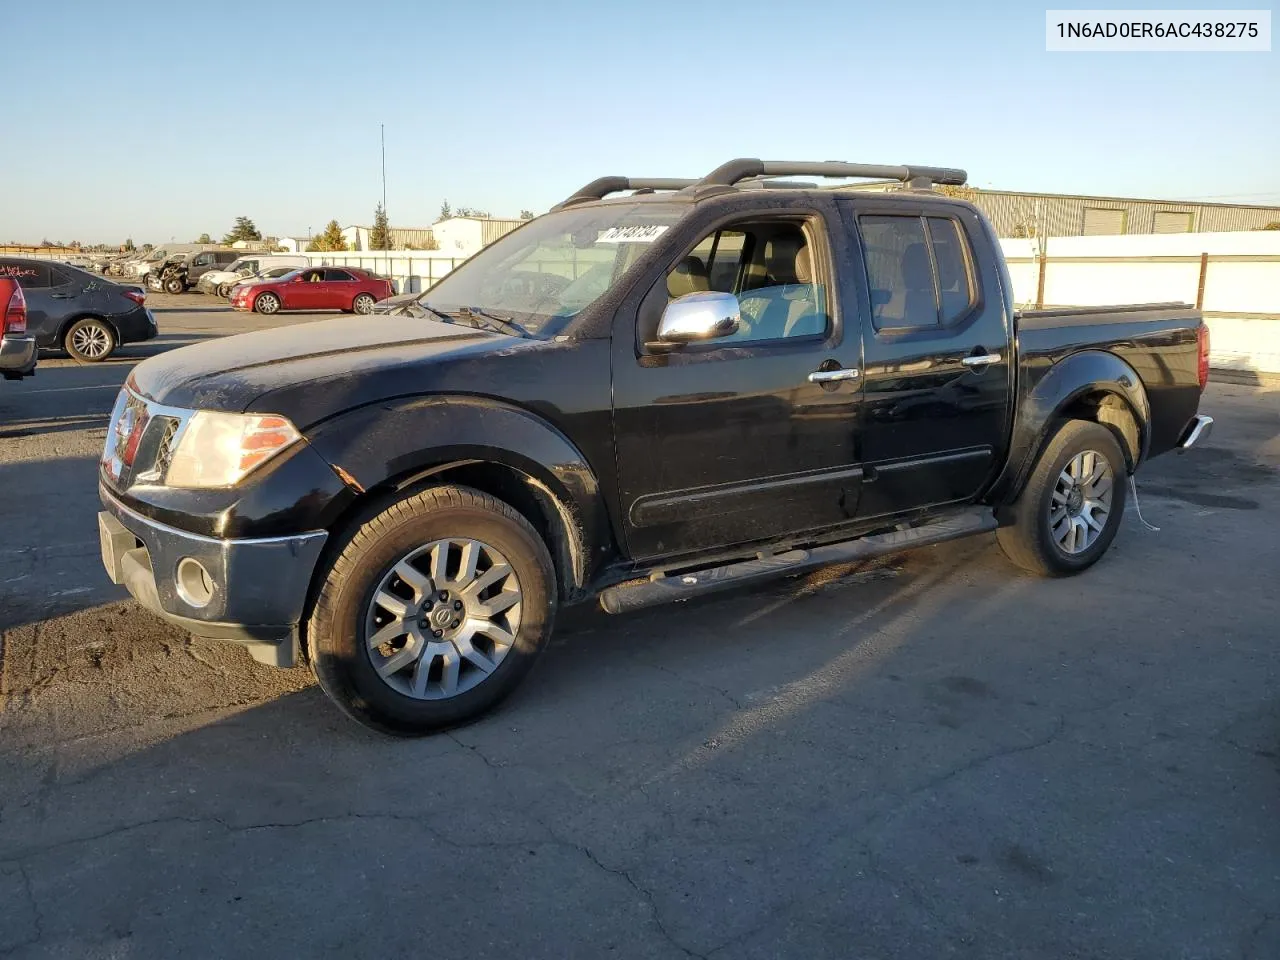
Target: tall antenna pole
(383, 128)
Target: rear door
(729, 441)
(938, 380)
(340, 289)
(43, 310)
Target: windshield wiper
(493, 318)
(493, 321)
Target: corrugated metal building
(491, 229)
(1016, 214)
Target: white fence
(1233, 277)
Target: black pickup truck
(638, 398)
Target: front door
(730, 441)
(306, 291)
(937, 367)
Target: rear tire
(1072, 505)
(363, 304)
(431, 673)
(90, 340)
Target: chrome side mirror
(707, 315)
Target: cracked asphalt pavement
(929, 756)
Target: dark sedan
(70, 309)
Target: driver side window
(770, 267)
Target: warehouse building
(1016, 214)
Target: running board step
(681, 586)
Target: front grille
(140, 441)
(156, 449)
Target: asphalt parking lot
(930, 756)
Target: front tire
(224, 290)
(267, 304)
(90, 340)
(1071, 508)
(431, 611)
(174, 285)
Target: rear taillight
(14, 319)
(1202, 336)
(137, 296)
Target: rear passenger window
(917, 270)
(30, 276)
(337, 275)
(951, 258)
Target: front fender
(1079, 375)
(393, 442)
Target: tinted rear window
(29, 273)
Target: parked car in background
(17, 345)
(222, 280)
(275, 273)
(183, 270)
(86, 315)
(316, 288)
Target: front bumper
(17, 357)
(258, 586)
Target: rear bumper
(135, 325)
(258, 586)
(1197, 430)
(17, 357)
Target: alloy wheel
(443, 618)
(1081, 502)
(92, 341)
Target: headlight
(221, 449)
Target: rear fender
(394, 444)
(1082, 378)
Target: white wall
(1241, 290)
(458, 236)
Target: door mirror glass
(706, 315)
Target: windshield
(554, 267)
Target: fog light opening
(195, 586)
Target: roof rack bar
(730, 173)
(600, 188)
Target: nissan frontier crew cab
(658, 389)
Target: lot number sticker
(631, 234)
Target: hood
(396, 304)
(307, 370)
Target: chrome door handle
(832, 376)
(981, 361)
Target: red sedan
(315, 288)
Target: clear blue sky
(156, 120)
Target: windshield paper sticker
(631, 234)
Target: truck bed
(1058, 317)
(1158, 340)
